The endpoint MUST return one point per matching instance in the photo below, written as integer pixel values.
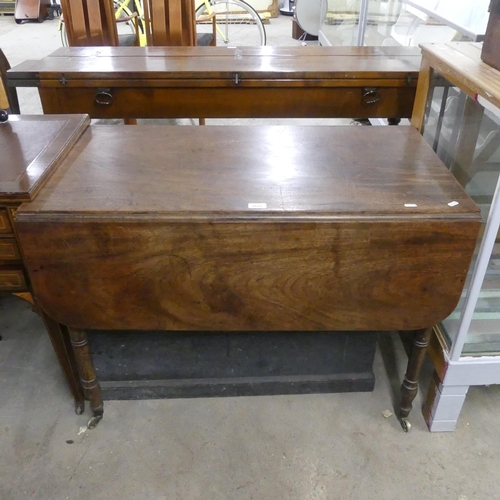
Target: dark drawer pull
(370, 96)
(104, 97)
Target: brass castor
(95, 419)
(405, 423)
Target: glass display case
(467, 17)
(401, 22)
(357, 22)
(457, 112)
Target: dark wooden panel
(145, 365)
(232, 102)
(489, 53)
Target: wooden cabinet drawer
(9, 249)
(5, 226)
(291, 101)
(12, 280)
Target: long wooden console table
(217, 82)
(288, 228)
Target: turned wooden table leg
(88, 377)
(409, 388)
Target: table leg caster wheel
(4, 116)
(79, 407)
(405, 423)
(94, 420)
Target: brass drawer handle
(104, 97)
(370, 96)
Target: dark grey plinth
(147, 365)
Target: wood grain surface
(248, 276)
(151, 228)
(150, 63)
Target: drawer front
(5, 226)
(9, 249)
(234, 102)
(12, 280)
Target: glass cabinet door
(466, 137)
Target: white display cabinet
(457, 111)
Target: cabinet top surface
(250, 172)
(31, 146)
(461, 63)
(213, 62)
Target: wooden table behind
(216, 82)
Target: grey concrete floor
(329, 446)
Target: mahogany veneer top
(31, 146)
(215, 172)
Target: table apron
(234, 102)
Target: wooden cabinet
(31, 147)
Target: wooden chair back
(90, 22)
(8, 94)
(170, 22)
